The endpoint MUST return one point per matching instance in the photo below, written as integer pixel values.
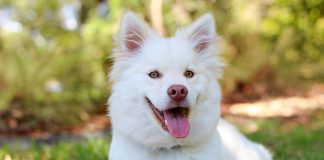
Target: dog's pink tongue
(177, 123)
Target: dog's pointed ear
(202, 34)
(133, 33)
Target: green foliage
(45, 54)
(294, 31)
(283, 37)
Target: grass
(288, 139)
(293, 141)
(95, 149)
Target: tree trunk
(156, 16)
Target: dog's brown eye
(154, 74)
(189, 74)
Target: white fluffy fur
(137, 135)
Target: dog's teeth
(183, 111)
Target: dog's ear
(133, 33)
(201, 33)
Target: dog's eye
(189, 74)
(154, 74)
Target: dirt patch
(279, 107)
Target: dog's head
(164, 90)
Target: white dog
(165, 101)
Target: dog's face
(165, 91)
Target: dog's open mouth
(174, 120)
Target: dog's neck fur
(124, 148)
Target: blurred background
(54, 63)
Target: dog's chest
(185, 154)
(171, 155)
(123, 149)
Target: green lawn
(294, 139)
(91, 149)
(289, 140)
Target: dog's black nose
(177, 92)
